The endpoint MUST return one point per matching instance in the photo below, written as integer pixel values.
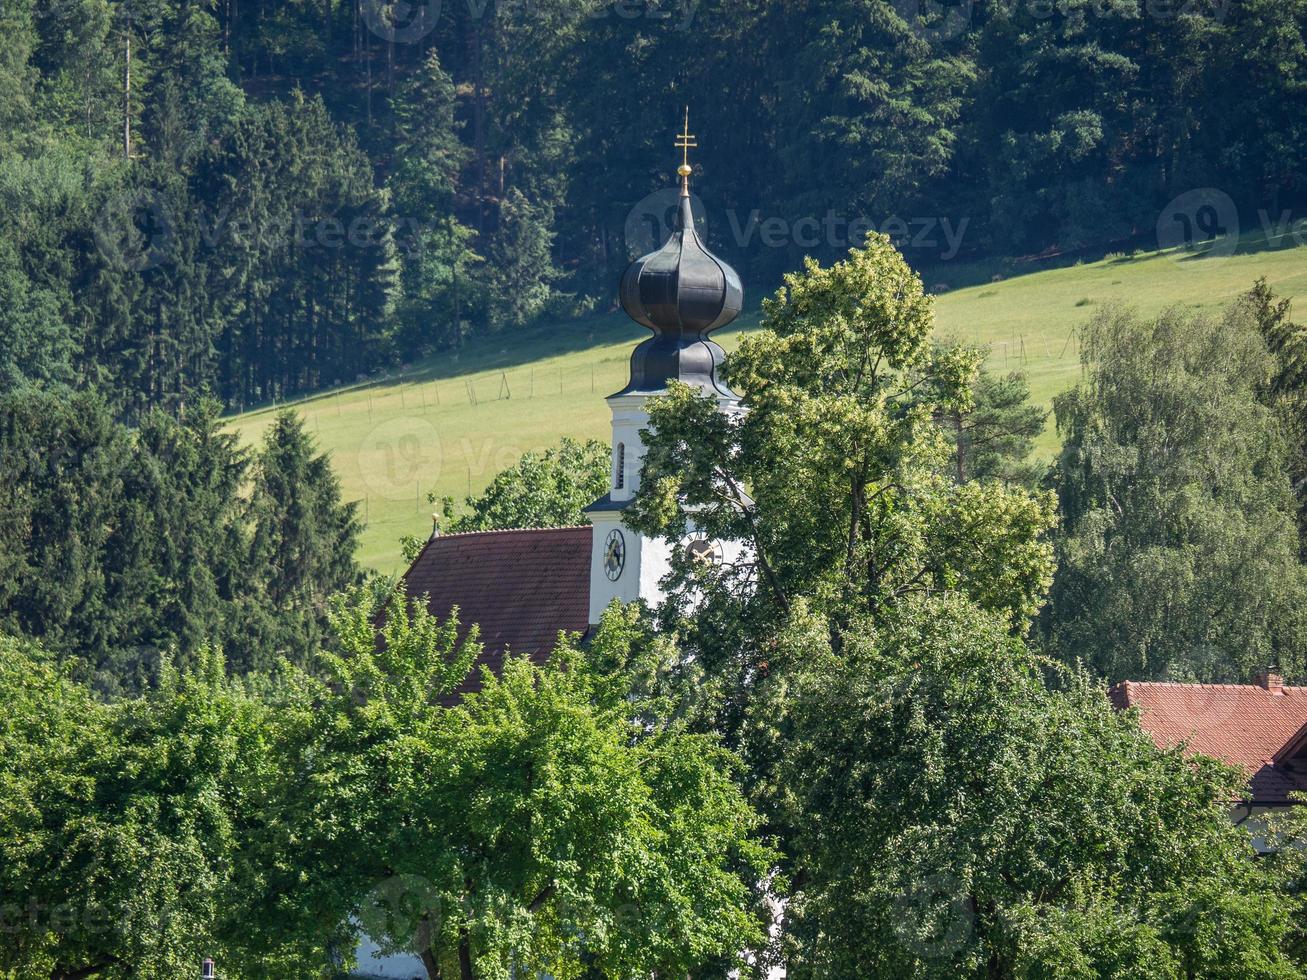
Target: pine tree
(992, 437)
(302, 552)
(1287, 391)
(438, 268)
(521, 267)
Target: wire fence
(416, 393)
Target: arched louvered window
(619, 481)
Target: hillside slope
(452, 423)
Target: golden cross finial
(685, 142)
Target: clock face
(614, 555)
(704, 552)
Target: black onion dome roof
(681, 292)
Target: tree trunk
(464, 955)
(429, 961)
(479, 124)
(962, 464)
(127, 92)
(425, 939)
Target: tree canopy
(253, 201)
(957, 817)
(1178, 552)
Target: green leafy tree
(1178, 550)
(120, 823)
(833, 479)
(548, 489)
(959, 818)
(529, 826)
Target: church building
(524, 586)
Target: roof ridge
(509, 530)
(1197, 684)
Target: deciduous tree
(957, 817)
(1178, 548)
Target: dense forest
(250, 200)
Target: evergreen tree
(297, 236)
(35, 340)
(991, 438)
(302, 551)
(177, 563)
(521, 266)
(17, 75)
(437, 262)
(1287, 392)
(61, 460)
(429, 155)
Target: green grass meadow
(451, 423)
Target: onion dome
(681, 292)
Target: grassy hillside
(452, 423)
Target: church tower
(681, 292)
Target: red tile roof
(522, 586)
(1245, 725)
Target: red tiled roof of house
(1245, 725)
(522, 586)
